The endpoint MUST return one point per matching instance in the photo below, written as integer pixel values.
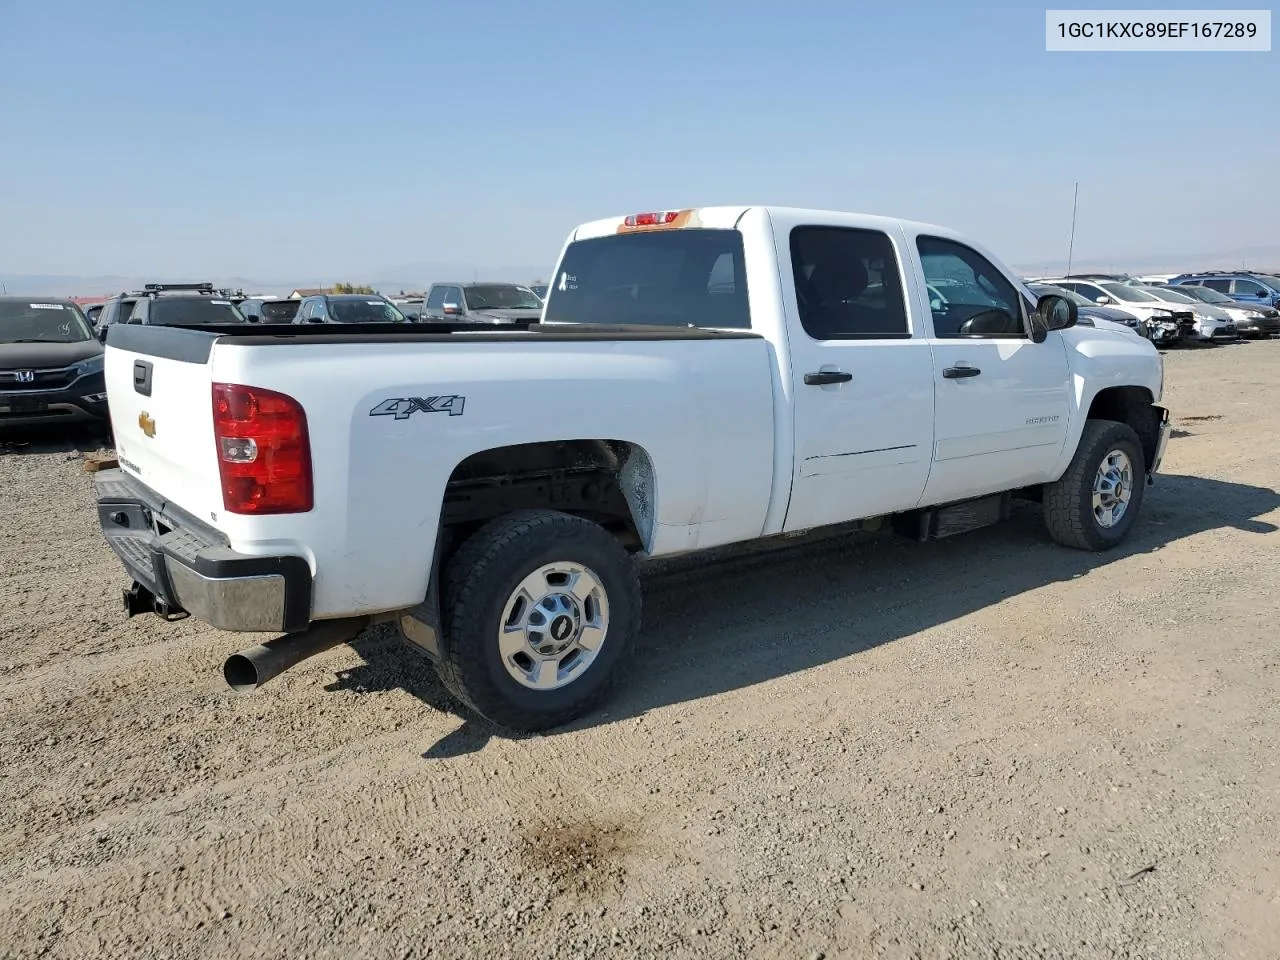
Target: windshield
(1177, 296)
(1129, 294)
(192, 311)
(1048, 289)
(501, 296)
(686, 278)
(361, 310)
(278, 311)
(42, 321)
(1205, 294)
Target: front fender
(1103, 360)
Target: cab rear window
(685, 278)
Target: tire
(482, 591)
(1069, 509)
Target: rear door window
(685, 278)
(848, 284)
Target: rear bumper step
(180, 566)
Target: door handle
(827, 376)
(959, 373)
(142, 377)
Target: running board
(935, 523)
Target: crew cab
(699, 378)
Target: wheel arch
(611, 481)
(1134, 406)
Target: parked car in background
(1163, 333)
(1116, 277)
(1253, 320)
(168, 305)
(1212, 325)
(92, 311)
(482, 303)
(348, 308)
(1117, 293)
(1257, 288)
(701, 378)
(50, 364)
(269, 309)
(412, 307)
(1088, 310)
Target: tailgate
(160, 394)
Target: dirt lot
(987, 747)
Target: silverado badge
(147, 424)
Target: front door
(1004, 401)
(862, 378)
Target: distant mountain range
(419, 276)
(416, 276)
(1261, 259)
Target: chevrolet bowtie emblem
(147, 424)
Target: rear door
(861, 371)
(1003, 401)
(160, 394)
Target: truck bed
(697, 405)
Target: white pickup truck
(699, 378)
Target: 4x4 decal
(404, 407)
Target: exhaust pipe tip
(249, 669)
(240, 673)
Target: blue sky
(279, 139)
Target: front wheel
(1095, 503)
(540, 608)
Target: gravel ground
(985, 747)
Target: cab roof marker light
(651, 219)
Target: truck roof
(727, 217)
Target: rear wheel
(1095, 503)
(540, 608)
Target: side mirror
(1057, 313)
(1103, 301)
(101, 333)
(451, 310)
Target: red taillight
(264, 453)
(651, 219)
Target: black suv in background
(169, 305)
(50, 364)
